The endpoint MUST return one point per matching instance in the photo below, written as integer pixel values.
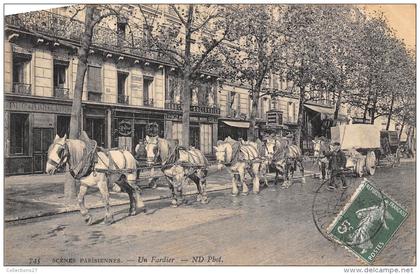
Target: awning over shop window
(320, 109)
(239, 124)
(326, 110)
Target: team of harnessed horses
(93, 166)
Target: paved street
(272, 228)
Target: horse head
(270, 146)
(223, 154)
(152, 149)
(58, 155)
(320, 146)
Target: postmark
(367, 222)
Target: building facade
(123, 92)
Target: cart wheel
(359, 167)
(371, 162)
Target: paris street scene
(210, 135)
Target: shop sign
(124, 128)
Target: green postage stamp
(367, 222)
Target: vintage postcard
(196, 134)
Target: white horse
(241, 157)
(178, 165)
(285, 157)
(76, 154)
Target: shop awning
(239, 124)
(320, 109)
(327, 111)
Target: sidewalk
(29, 196)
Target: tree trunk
(186, 102)
(76, 110)
(252, 119)
(390, 111)
(402, 128)
(373, 112)
(300, 122)
(186, 94)
(337, 107)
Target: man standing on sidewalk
(337, 163)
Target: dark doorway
(95, 129)
(139, 134)
(195, 136)
(63, 126)
(42, 139)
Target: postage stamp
(367, 222)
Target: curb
(75, 208)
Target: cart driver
(337, 163)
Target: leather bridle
(62, 154)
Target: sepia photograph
(200, 134)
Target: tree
(189, 44)
(93, 15)
(257, 47)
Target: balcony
(173, 106)
(148, 102)
(123, 99)
(205, 109)
(22, 88)
(59, 26)
(199, 109)
(94, 96)
(62, 93)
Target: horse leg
(81, 200)
(235, 180)
(241, 178)
(202, 175)
(323, 167)
(302, 171)
(196, 181)
(103, 188)
(122, 183)
(256, 178)
(172, 188)
(139, 204)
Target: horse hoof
(244, 193)
(89, 220)
(234, 194)
(132, 213)
(256, 192)
(205, 200)
(199, 198)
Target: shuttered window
(206, 136)
(94, 79)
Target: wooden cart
(361, 144)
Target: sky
(402, 18)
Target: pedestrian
(336, 165)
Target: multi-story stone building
(124, 90)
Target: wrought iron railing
(173, 106)
(206, 109)
(22, 88)
(123, 99)
(59, 26)
(148, 102)
(199, 108)
(61, 93)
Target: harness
(83, 168)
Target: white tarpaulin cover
(356, 136)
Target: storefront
(29, 127)
(129, 126)
(203, 130)
(234, 129)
